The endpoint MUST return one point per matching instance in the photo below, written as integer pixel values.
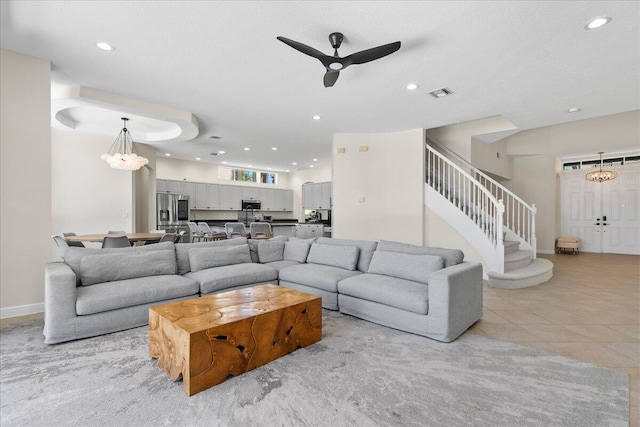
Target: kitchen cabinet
(308, 231)
(284, 230)
(201, 199)
(204, 196)
(169, 186)
(316, 195)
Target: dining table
(133, 237)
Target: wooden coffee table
(204, 340)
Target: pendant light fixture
(601, 175)
(122, 155)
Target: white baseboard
(546, 251)
(21, 310)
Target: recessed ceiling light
(197, 158)
(274, 148)
(221, 152)
(225, 162)
(412, 86)
(268, 169)
(597, 23)
(249, 166)
(167, 154)
(310, 166)
(294, 163)
(315, 160)
(440, 93)
(104, 46)
(316, 117)
(287, 170)
(573, 110)
(247, 148)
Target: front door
(603, 215)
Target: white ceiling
(529, 61)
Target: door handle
(597, 223)
(604, 223)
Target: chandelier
(121, 155)
(601, 175)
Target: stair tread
(517, 256)
(510, 242)
(537, 267)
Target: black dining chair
(116, 242)
(77, 244)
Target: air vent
(215, 137)
(440, 93)
(214, 154)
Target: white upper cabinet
(203, 196)
(316, 195)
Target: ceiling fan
(334, 63)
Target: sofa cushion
(335, 256)
(279, 265)
(126, 293)
(270, 250)
(73, 255)
(316, 276)
(296, 251)
(182, 250)
(254, 243)
(112, 267)
(405, 266)
(201, 258)
(404, 294)
(366, 249)
(229, 276)
(449, 256)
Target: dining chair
(235, 229)
(61, 244)
(115, 232)
(116, 242)
(168, 237)
(196, 233)
(260, 229)
(204, 227)
(179, 236)
(77, 244)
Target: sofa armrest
(59, 302)
(455, 298)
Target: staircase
(496, 222)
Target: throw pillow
(270, 251)
(120, 266)
(202, 258)
(449, 256)
(334, 255)
(182, 250)
(296, 251)
(405, 266)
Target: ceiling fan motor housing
(336, 40)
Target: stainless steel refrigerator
(172, 214)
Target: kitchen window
(246, 175)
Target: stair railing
(468, 195)
(519, 217)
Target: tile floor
(589, 310)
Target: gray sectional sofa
(426, 291)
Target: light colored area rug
(360, 374)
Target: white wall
(88, 196)
(389, 181)
(25, 167)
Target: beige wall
(379, 194)
(457, 137)
(144, 191)
(492, 158)
(88, 195)
(536, 155)
(25, 167)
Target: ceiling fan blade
(330, 78)
(370, 54)
(307, 50)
